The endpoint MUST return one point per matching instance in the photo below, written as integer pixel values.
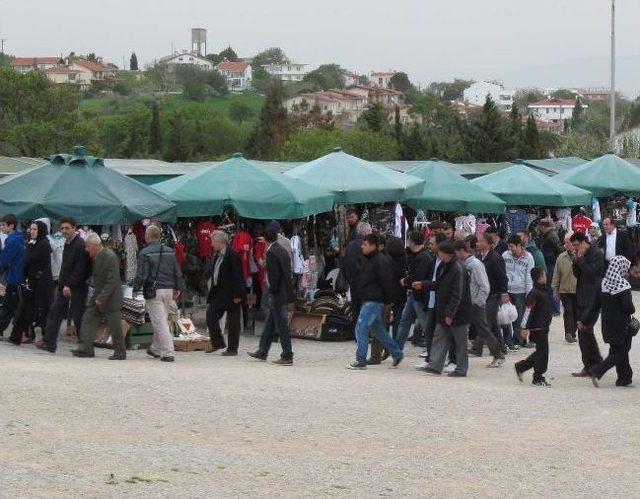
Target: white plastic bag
(507, 313)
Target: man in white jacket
(518, 263)
(479, 289)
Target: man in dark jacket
(452, 312)
(71, 293)
(352, 263)
(615, 243)
(588, 267)
(551, 248)
(419, 263)
(227, 294)
(374, 284)
(105, 303)
(12, 262)
(281, 290)
(157, 264)
(498, 289)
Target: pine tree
(273, 128)
(133, 62)
(578, 115)
(155, 134)
(178, 140)
(397, 126)
(375, 118)
(532, 148)
(488, 140)
(515, 132)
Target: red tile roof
(95, 67)
(60, 70)
(554, 102)
(33, 61)
(233, 67)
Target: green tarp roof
(445, 190)
(81, 187)
(354, 180)
(521, 185)
(556, 165)
(605, 176)
(253, 191)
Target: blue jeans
(413, 309)
(276, 319)
(370, 320)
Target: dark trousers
(484, 333)
(214, 314)
(276, 320)
(618, 357)
(569, 313)
(551, 267)
(539, 359)
(589, 347)
(9, 306)
(430, 329)
(491, 312)
(90, 322)
(76, 306)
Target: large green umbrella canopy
(253, 191)
(446, 190)
(605, 176)
(354, 180)
(81, 187)
(520, 185)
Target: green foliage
(375, 118)
(240, 112)
(400, 81)
(632, 116)
(177, 139)
(228, 54)
(527, 96)
(272, 55)
(309, 144)
(489, 139)
(5, 60)
(325, 77)
(563, 93)
(531, 146)
(133, 62)
(155, 132)
(214, 58)
(577, 119)
(273, 128)
(198, 83)
(448, 90)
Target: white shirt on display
(611, 245)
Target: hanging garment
(180, 253)
(56, 241)
(259, 254)
(517, 220)
(242, 244)
(398, 225)
(466, 224)
(564, 218)
(595, 207)
(131, 255)
(297, 258)
(632, 210)
(203, 232)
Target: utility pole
(612, 91)
(2, 40)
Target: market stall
(605, 176)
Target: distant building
(464, 108)
(374, 94)
(62, 74)
(287, 72)
(352, 78)
(554, 110)
(381, 78)
(27, 64)
(238, 74)
(477, 94)
(344, 105)
(186, 57)
(88, 72)
(593, 93)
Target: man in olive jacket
(106, 301)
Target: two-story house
(286, 72)
(186, 57)
(381, 78)
(26, 64)
(478, 92)
(238, 74)
(88, 72)
(554, 110)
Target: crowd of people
(448, 293)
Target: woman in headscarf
(37, 291)
(617, 308)
(594, 234)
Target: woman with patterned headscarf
(617, 308)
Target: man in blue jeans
(374, 283)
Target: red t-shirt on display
(581, 224)
(242, 244)
(204, 231)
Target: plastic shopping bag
(507, 313)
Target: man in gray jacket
(159, 269)
(479, 288)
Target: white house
(88, 72)
(26, 64)
(61, 74)
(381, 78)
(385, 96)
(186, 57)
(351, 78)
(554, 110)
(287, 72)
(238, 74)
(477, 94)
(344, 105)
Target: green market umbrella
(520, 185)
(446, 190)
(605, 176)
(253, 191)
(354, 180)
(81, 187)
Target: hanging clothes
(632, 210)
(481, 227)
(131, 255)
(259, 254)
(297, 258)
(204, 229)
(595, 207)
(564, 218)
(398, 221)
(242, 244)
(466, 224)
(517, 219)
(180, 252)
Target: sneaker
(151, 353)
(283, 362)
(457, 374)
(424, 354)
(396, 362)
(519, 375)
(357, 366)
(496, 363)
(514, 348)
(118, 357)
(257, 356)
(46, 348)
(82, 354)
(433, 372)
(449, 368)
(541, 382)
(373, 362)
(422, 365)
(167, 359)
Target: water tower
(199, 41)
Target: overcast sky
(521, 42)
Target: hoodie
(13, 259)
(519, 272)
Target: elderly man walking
(226, 295)
(159, 277)
(105, 303)
(564, 285)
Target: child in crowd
(535, 328)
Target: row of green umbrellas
(81, 186)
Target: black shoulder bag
(149, 288)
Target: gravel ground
(209, 426)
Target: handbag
(633, 326)
(149, 288)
